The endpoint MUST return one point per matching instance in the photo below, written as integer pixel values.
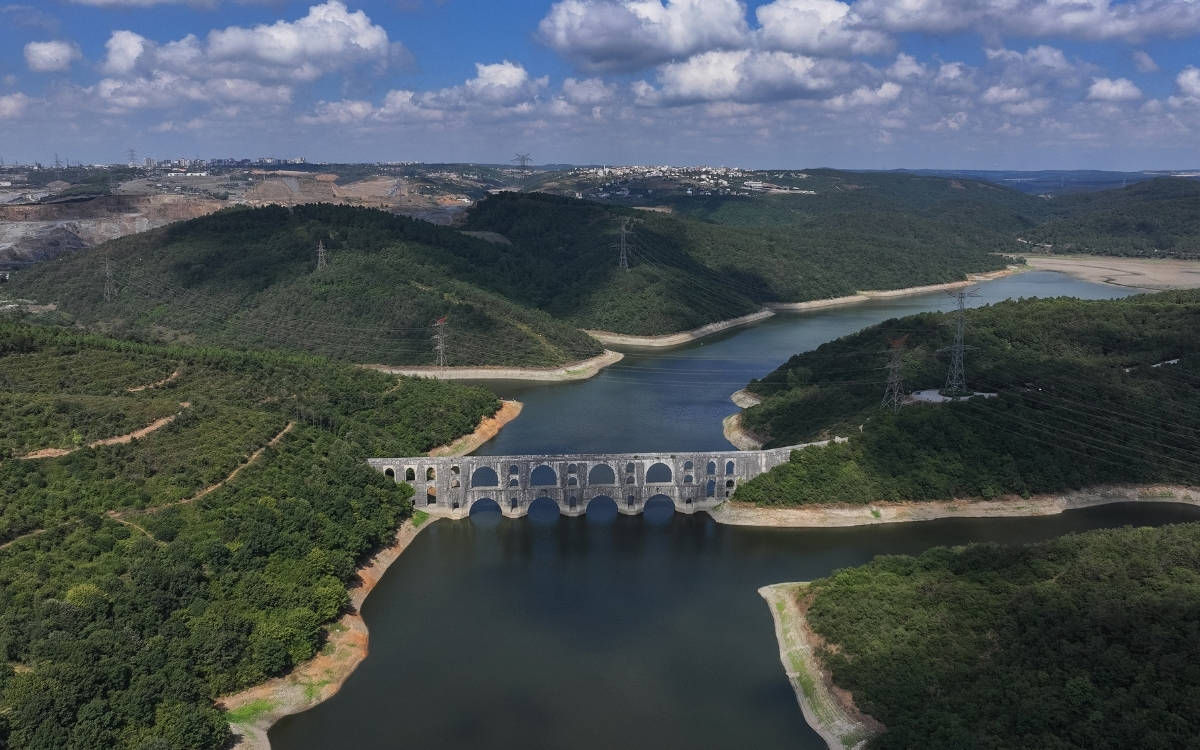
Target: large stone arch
(659, 473)
(543, 476)
(602, 474)
(483, 504)
(601, 506)
(485, 476)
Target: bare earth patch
(155, 384)
(487, 429)
(254, 710)
(1141, 273)
(832, 515)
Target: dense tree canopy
(1080, 401)
(1090, 641)
(122, 629)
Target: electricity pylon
(956, 377)
(322, 256)
(623, 245)
(893, 394)
(439, 340)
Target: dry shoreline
(487, 429)
(740, 437)
(581, 370)
(865, 296)
(1150, 274)
(684, 337)
(321, 677)
(832, 516)
(830, 712)
(609, 338)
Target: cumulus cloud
(51, 57)
(818, 27)
(1188, 82)
(1082, 19)
(865, 97)
(1144, 62)
(742, 76)
(588, 92)
(905, 68)
(13, 105)
(328, 39)
(1113, 90)
(1001, 94)
(600, 35)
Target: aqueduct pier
(448, 487)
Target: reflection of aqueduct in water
(692, 481)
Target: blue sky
(1019, 84)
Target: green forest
(1087, 641)
(1080, 402)
(246, 278)
(125, 605)
(1157, 219)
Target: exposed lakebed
(613, 631)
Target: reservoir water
(628, 632)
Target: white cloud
(1001, 94)
(905, 68)
(630, 34)
(1188, 81)
(588, 92)
(1113, 90)
(1082, 19)
(13, 105)
(818, 27)
(741, 76)
(865, 97)
(51, 57)
(1144, 62)
(123, 49)
(329, 38)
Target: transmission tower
(623, 244)
(439, 340)
(132, 157)
(523, 161)
(110, 287)
(893, 395)
(956, 378)
(322, 256)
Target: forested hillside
(247, 278)
(129, 597)
(1088, 641)
(689, 270)
(1158, 218)
(1080, 402)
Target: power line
(623, 245)
(110, 288)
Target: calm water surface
(613, 632)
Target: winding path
(129, 437)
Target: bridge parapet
(449, 486)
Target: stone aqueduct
(691, 481)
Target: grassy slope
(1158, 218)
(1088, 641)
(1068, 414)
(245, 278)
(127, 634)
